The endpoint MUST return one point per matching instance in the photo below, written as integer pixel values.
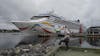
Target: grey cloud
(17, 9)
(85, 10)
(67, 8)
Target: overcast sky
(85, 10)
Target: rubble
(30, 50)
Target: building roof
(7, 26)
(94, 29)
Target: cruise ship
(48, 23)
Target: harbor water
(10, 40)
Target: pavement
(71, 52)
(85, 44)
